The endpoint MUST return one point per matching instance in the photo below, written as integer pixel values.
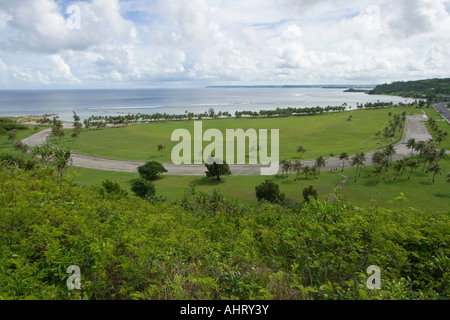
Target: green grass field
(420, 192)
(442, 125)
(322, 135)
(241, 188)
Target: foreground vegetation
(128, 248)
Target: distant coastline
(293, 87)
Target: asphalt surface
(442, 109)
(415, 128)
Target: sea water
(174, 101)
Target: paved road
(415, 128)
(442, 109)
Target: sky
(172, 43)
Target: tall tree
(378, 171)
(301, 150)
(161, 148)
(344, 157)
(62, 159)
(297, 167)
(411, 144)
(389, 151)
(435, 169)
(320, 163)
(399, 167)
(285, 166)
(306, 170)
(358, 160)
(413, 164)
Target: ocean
(87, 103)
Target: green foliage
(143, 188)
(7, 124)
(217, 170)
(151, 170)
(204, 203)
(128, 248)
(112, 189)
(269, 191)
(433, 89)
(310, 193)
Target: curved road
(442, 109)
(415, 128)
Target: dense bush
(310, 192)
(143, 188)
(151, 170)
(113, 189)
(269, 191)
(217, 170)
(128, 248)
(10, 125)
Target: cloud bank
(136, 43)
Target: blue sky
(174, 43)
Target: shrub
(309, 192)
(151, 170)
(269, 191)
(216, 170)
(113, 189)
(143, 189)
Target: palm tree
(413, 164)
(420, 147)
(161, 148)
(344, 157)
(411, 144)
(441, 155)
(358, 161)
(390, 151)
(362, 160)
(297, 168)
(314, 171)
(320, 163)
(378, 171)
(301, 150)
(385, 163)
(12, 135)
(306, 170)
(377, 157)
(431, 157)
(61, 160)
(285, 166)
(436, 169)
(399, 167)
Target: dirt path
(415, 128)
(339, 187)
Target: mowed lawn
(442, 125)
(421, 193)
(322, 135)
(241, 188)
